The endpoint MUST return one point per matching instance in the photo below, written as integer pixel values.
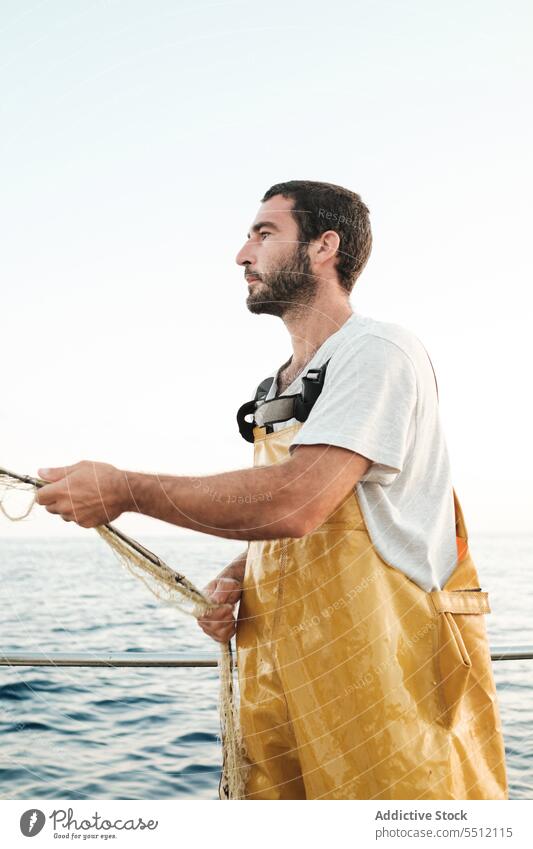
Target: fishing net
(174, 589)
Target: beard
(290, 288)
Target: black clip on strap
(246, 429)
(312, 384)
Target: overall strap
(281, 409)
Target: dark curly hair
(323, 206)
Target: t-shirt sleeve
(367, 405)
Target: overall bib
(355, 683)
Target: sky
(137, 139)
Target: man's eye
(264, 233)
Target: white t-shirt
(379, 399)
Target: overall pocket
(458, 628)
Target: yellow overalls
(354, 682)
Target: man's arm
(289, 499)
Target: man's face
(276, 266)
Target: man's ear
(327, 245)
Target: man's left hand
(88, 493)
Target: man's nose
(245, 255)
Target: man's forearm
(246, 504)
(236, 568)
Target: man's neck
(310, 330)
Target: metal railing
(113, 659)
(159, 659)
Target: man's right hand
(225, 589)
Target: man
(363, 661)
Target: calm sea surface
(153, 734)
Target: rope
(16, 518)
